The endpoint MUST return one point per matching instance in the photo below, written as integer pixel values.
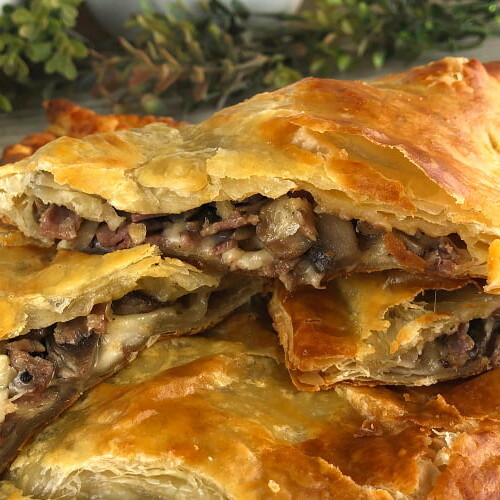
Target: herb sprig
(177, 59)
(220, 55)
(35, 39)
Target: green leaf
(363, 8)
(22, 70)
(316, 66)
(22, 16)
(28, 31)
(346, 27)
(215, 31)
(5, 104)
(343, 61)
(378, 59)
(79, 49)
(322, 17)
(68, 15)
(13, 66)
(62, 64)
(363, 45)
(38, 52)
(152, 104)
(281, 76)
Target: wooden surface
(18, 124)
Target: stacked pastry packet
(334, 245)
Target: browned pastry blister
(215, 416)
(388, 327)
(68, 320)
(302, 184)
(67, 118)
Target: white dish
(112, 14)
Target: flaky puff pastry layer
(39, 286)
(381, 328)
(216, 416)
(12, 237)
(413, 151)
(67, 118)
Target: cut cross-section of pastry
(69, 319)
(304, 183)
(215, 416)
(389, 327)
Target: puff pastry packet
(389, 327)
(305, 183)
(67, 118)
(69, 319)
(215, 416)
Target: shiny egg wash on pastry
(68, 320)
(311, 181)
(283, 238)
(215, 417)
(388, 327)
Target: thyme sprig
(178, 59)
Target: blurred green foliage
(35, 39)
(224, 53)
(219, 55)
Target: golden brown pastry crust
(26, 147)
(411, 151)
(9, 492)
(12, 237)
(494, 268)
(218, 418)
(366, 328)
(39, 287)
(67, 118)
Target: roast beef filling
(475, 339)
(283, 238)
(473, 347)
(59, 222)
(65, 350)
(135, 303)
(441, 254)
(38, 358)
